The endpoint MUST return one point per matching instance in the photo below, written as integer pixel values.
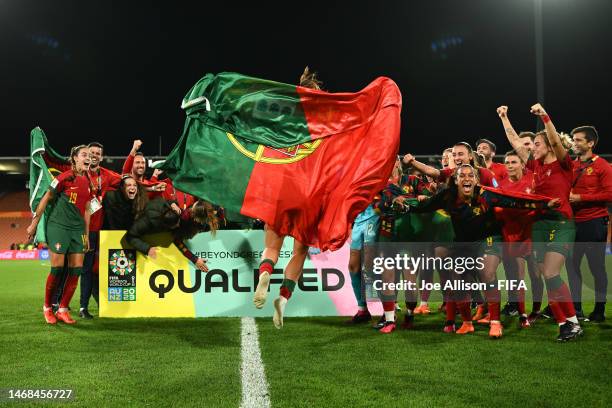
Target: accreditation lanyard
(581, 170)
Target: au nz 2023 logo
(121, 275)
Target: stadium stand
(14, 218)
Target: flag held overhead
(304, 161)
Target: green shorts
(63, 241)
(443, 231)
(396, 233)
(553, 236)
(493, 245)
(403, 230)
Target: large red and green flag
(304, 161)
(41, 173)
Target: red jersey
(499, 170)
(593, 181)
(77, 190)
(72, 194)
(554, 180)
(184, 200)
(102, 181)
(516, 229)
(127, 169)
(487, 178)
(524, 185)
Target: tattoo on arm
(511, 132)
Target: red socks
(451, 311)
(465, 310)
(71, 283)
(564, 297)
(389, 306)
(521, 301)
(493, 296)
(50, 288)
(266, 266)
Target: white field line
(254, 385)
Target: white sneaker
(279, 311)
(261, 292)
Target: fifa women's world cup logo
(121, 275)
(121, 262)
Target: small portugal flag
(304, 161)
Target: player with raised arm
(553, 234)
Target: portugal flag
(304, 161)
(41, 175)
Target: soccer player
(447, 158)
(67, 230)
(399, 228)
(516, 232)
(363, 239)
(591, 191)
(487, 148)
(441, 232)
(462, 154)
(473, 221)
(136, 165)
(102, 180)
(526, 139)
(273, 244)
(537, 283)
(553, 234)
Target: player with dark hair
(462, 154)
(103, 181)
(487, 148)
(123, 205)
(136, 165)
(67, 230)
(591, 191)
(474, 220)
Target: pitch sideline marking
(254, 385)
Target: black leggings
(591, 237)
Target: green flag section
(41, 175)
(304, 161)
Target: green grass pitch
(312, 362)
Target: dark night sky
(115, 71)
